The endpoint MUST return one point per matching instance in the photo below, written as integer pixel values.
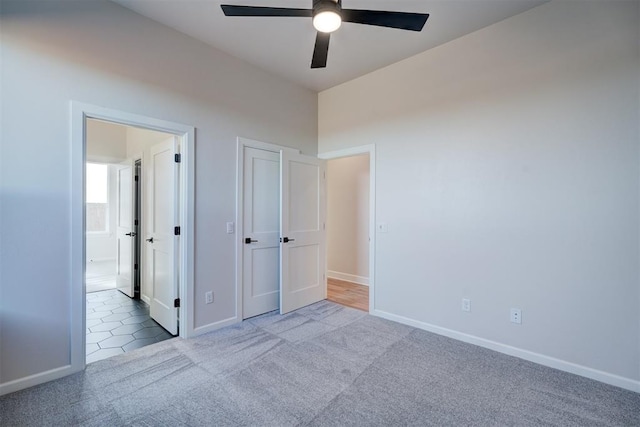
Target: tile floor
(117, 324)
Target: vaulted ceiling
(284, 46)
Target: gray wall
(99, 53)
(507, 172)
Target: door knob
(150, 240)
(249, 240)
(287, 240)
(132, 234)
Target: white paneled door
(261, 225)
(161, 241)
(125, 228)
(302, 228)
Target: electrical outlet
(208, 297)
(516, 315)
(466, 304)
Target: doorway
(168, 166)
(123, 313)
(348, 231)
(351, 211)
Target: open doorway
(174, 234)
(351, 190)
(348, 231)
(120, 215)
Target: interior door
(161, 241)
(261, 226)
(302, 216)
(125, 230)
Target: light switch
(230, 228)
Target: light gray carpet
(324, 365)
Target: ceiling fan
(328, 15)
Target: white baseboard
(215, 326)
(361, 280)
(541, 359)
(145, 299)
(31, 380)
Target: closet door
(261, 227)
(302, 228)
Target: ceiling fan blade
(231, 10)
(321, 50)
(400, 20)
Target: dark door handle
(132, 234)
(249, 240)
(287, 240)
(150, 240)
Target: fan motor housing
(327, 6)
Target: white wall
(99, 53)
(348, 218)
(507, 171)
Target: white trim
(354, 151)
(79, 113)
(216, 325)
(145, 299)
(240, 146)
(360, 280)
(77, 329)
(268, 146)
(31, 380)
(541, 359)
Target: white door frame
(79, 113)
(354, 151)
(241, 144)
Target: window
(97, 197)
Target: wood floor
(348, 293)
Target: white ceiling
(284, 46)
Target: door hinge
(178, 158)
(136, 178)
(176, 303)
(135, 222)
(135, 266)
(176, 230)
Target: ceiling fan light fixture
(327, 21)
(326, 15)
